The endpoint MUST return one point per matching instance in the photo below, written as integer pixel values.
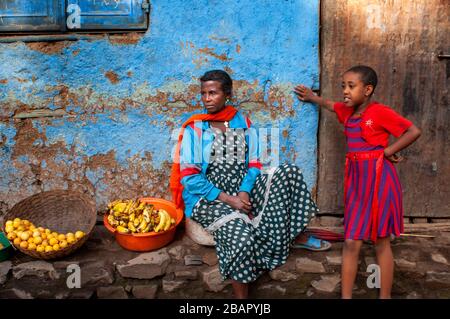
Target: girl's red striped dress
(373, 193)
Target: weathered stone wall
(97, 115)
(186, 270)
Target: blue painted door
(35, 15)
(112, 14)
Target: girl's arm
(410, 135)
(305, 94)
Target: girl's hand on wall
(304, 93)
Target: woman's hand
(245, 198)
(304, 93)
(236, 202)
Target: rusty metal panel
(401, 40)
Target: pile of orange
(24, 234)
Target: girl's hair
(220, 76)
(368, 75)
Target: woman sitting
(255, 218)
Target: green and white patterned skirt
(282, 207)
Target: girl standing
(372, 190)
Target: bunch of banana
(133, 216)
(165, 221)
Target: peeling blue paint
(272, 44)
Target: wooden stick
(415, 235)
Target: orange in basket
(149, 241)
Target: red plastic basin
(149, 241)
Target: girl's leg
(385, 260)
(350, 256)
(240, 289)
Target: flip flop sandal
(313, 244)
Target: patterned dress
(282, 208)
(361, 187)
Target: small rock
(169, 285)
(334, 260)
(15, 293)
(439, 258)
(177, 252)
(145, 292)
(306, 265)
(213, 279)
(186, 274)
(281, 275)
(404, 264)
(327, 283)
(359, 292)
(96, 274)
(271, 287)
(81, 294)
(146, 266)
(413, 295)
(39, 269)
(193, 260)
(62, 295)
(5, 267)
(441, 278)
(111, 293)
(310, 292)
(210, 258)
(128, 288)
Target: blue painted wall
(122, 95)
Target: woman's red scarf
(226, 114)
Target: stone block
(146, 266)
(334, 260)
(189, 274)
(210, 258)
(190, 260)
(112, 292)
(171, 285)
(15, 293)
(40, 269)
(5, 268)
(177, 252)
(145, 291)
(327, 283)
(436, 257)
(282, 275)
(306, 265)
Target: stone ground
(185, 269)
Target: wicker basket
(59, 210)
